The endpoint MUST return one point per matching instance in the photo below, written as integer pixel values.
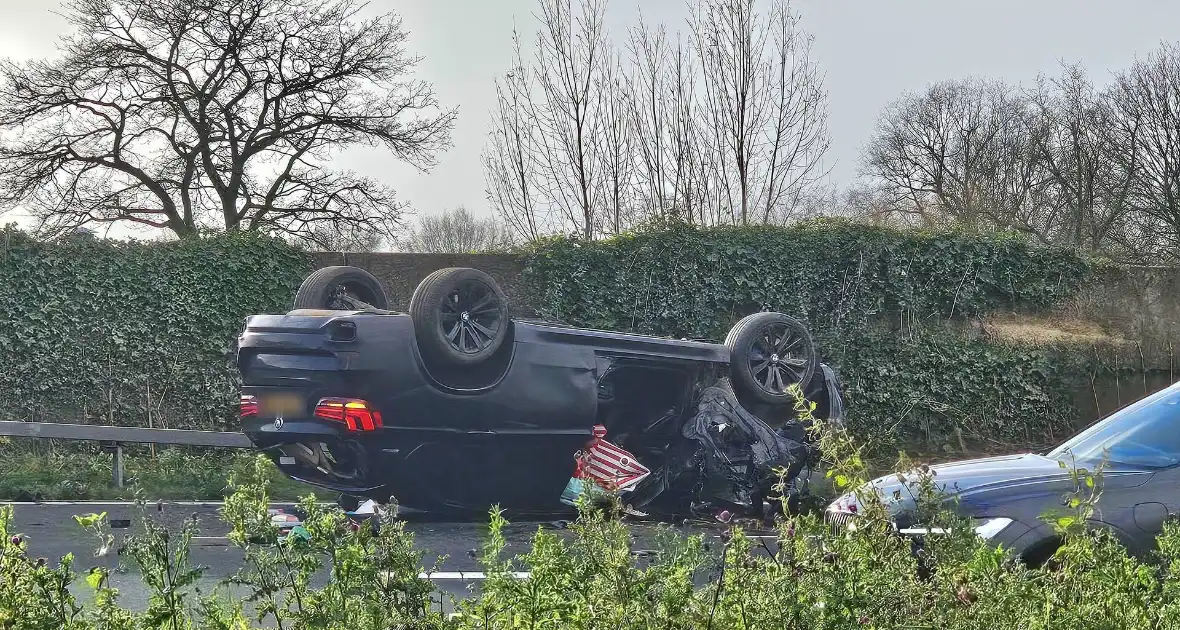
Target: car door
(1157, 501)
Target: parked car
(1006, 496)
(456, 406)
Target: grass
(81, 473)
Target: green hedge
(877, 300)
(106, 331)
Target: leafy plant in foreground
(372, 574)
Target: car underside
(456, 407)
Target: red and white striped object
(608, 465)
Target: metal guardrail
(120, 435)
(140, 435)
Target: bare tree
(1082, 197)
(663, 106)
(1010, 176)
(457, 231)
(1145, 124)
(872, 203)
(797, 138)
(572, 53)
(730, 36)
(615, 151)
(953, 153)
(544, 159)
(650, 116)
(196, 114)
(764, 100)
(508, 157)
(689, 181)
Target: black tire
(321, 289)
(431, 278)
(769, 352)
(460, 316)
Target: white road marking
(468, 575)
(439, 575)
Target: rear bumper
(316, 453)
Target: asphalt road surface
(52, 533)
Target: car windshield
(1144, 435)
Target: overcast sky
(870, 50)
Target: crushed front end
(725, 459)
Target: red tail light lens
(248, 406)
(357, 415)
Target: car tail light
(357, 415)
(248, 406)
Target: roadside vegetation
(590, 577)
(32, 472)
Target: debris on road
(608, 469)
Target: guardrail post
(118, 467)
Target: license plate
(280, 405)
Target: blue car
(1007, 496)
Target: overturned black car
(455, 407)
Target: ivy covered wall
(107, 332)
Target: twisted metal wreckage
(725, 461)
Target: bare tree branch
(508, 158)
(572, 52)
